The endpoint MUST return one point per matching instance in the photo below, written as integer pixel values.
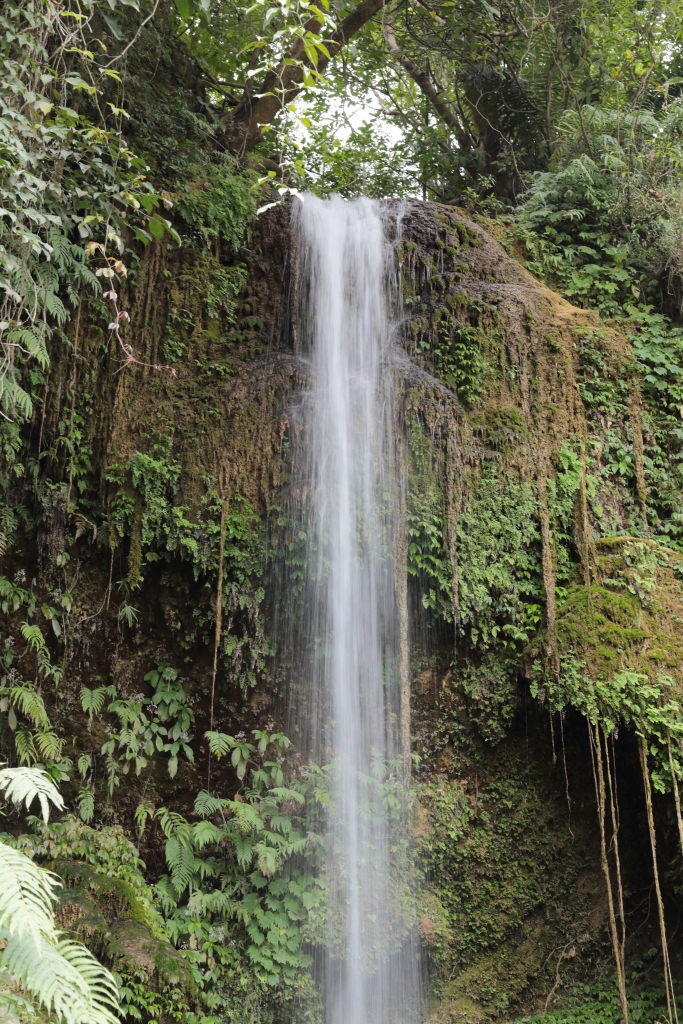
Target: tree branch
(284, 83)
(423, 83)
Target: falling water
(348, 483)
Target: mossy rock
(632, 619)
(106, 914)
(491, 985)
(132, 947)
(456, 1010)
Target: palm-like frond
(24, 785)
(62, 975)
(26, 895)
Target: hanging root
(668, 977)
(677, 792)
(601, 799)
(614, 813)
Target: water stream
(347, 466)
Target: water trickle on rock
(345, 461)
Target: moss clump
(631, 620)
(621, 660)
(503, 429)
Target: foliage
(238, 891)
(158, 724)
(428, 559)
(597, 223)
(106, 849)
(619, 663)
(140, 1003)
(492, 691)
(160, 529)
(66, 176)
(599, 1004)
(36, 959)
(220, 207)
(500, 583)
(24, 785)
(22, 705)
(334, 155)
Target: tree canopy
(564, 116)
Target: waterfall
(348, 647)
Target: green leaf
(185, 9)
(156, 226)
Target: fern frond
(30, 703)
(49, 744)
(92, 701)
(60, 974)
(86, 805)
(219, 743)
(24, 745)
(205, 832)
(181, 861)
(173, 823)
(24, 785)
(167, 894)
(33, 635)
(206, 805)
(64, 977)
(26, 895)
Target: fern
(64, 977)
(33, 636)
(56, 308)
(48, 744)
(26, 895)
(143, 811)
(92, 701)
(61, 975)
(24, 785)
(24, 745)
(206, 805)
(30, 703)
(86, 805)
(13, 398)
(181, 861)
(205, 832)
(219, 743)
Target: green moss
(607, 624)
(457, 300)
(131, 947)
(490, 841)
(503, 428)
(621, 649)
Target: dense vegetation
(143, 498)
